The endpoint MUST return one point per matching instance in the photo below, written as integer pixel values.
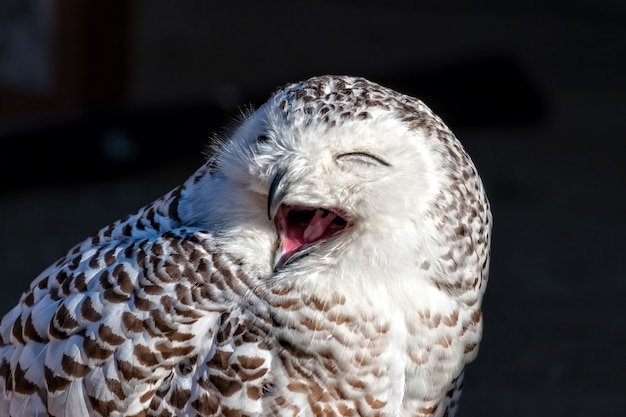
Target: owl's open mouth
(300, 227)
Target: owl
(328, 259)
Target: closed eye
(362, 158)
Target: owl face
(326, 179)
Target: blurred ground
(555, 327)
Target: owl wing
(132, 326)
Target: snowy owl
(329, 258)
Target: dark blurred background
(105, 106)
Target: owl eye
(363, 158)
(262, 138)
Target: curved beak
(277, 193)
(298, 228)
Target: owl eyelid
(362, 157)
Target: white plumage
(329, 259)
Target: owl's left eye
(262, 138)
(362, 158)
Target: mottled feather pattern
(153, 324)
(199, 305)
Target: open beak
(298, 227)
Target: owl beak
(299, 227)
(276, 195)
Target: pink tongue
(318, 225)
(294, 239)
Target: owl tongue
(295, 234)
(299, 227)
(318, 225)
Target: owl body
(329, 259)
